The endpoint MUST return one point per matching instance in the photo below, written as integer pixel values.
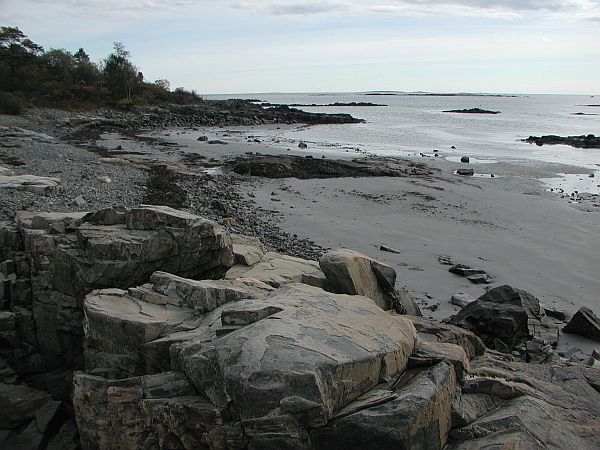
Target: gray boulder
(584, 323)
(506, 319)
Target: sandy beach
(510, 225)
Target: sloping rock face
(48, 262)
(350, 272)
(507, 404)
(265, 365)
(509, 319)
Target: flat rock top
(114, 304)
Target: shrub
(11, 104)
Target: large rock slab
(274, 364)
(323, 350)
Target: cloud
(501, 8)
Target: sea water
(410, 125)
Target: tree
(16, 52)
(85, 71)
(163, 84)
(119, 72)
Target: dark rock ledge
(584, 141)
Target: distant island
(472, 111)
(589, 141)
(434, 94)
(338, 104)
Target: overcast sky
(231, 46)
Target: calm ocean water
(409, 125)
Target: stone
(6, 172)
(467, 408)
(435, 331)
(464, 159)
(350, 272)
(131, 413)
(19, 404)
(302, 145)
(465, 271)
(480, 278)
(461, 299)
(416, 414)
(206, 295)
(505, 318)
(385, 248)
(31, 183)
(203, 138)
(465, 172)
(247, 250)
(292, 361)
(584, 323)
(403, 303)
(118, 327)
(445, 260)
(555, 313)
(429, 353)
(79, 201)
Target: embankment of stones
(196, 339)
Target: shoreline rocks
(583, 141)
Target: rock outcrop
(266, 365)
(50, 261)
(260, 354)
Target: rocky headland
(150, 300)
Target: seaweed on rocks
(162, 188)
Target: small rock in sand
(461, 299)
(465, 159)
(385, 248)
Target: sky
(237, 46)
